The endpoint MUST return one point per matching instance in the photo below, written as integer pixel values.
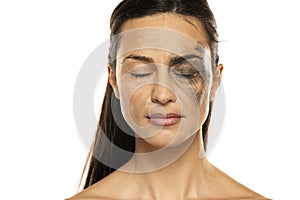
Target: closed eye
(140, 75)
(186, 75)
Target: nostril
(162, 101)
(162, 95)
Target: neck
(178, 170)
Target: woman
(163, 76)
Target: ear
(216, 81)
(113, 81)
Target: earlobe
(113, 81)
(220, 69)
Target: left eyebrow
(177, 60)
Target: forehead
(172, 33)
(186, 25)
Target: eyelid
(140, 75)
(141, 69)
(188, 73)
(189, 68)
(186, 58)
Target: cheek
(199, 88)
(132, 103)
(137, 101)
(198, 98)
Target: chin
(166, 140)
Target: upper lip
(164, 115)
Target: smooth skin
(189, 177)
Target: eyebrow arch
(199, 47)
(181, 59)
(139, 58)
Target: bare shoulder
(105, 189)
(88, 194)
(84, 197)
(233, 189)
(76, 197)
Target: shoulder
(104, 189)
(88, 195)
(84, 198)
(88, 198)
(233, 189)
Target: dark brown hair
(108, 127)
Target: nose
(162, 95)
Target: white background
(43, 45)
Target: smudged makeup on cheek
(193, 74)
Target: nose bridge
(162, 77)
(162, 90)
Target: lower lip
(165, 121)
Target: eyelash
(188, 76)
(140, 75)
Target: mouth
(168, 119)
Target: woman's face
(163, 77)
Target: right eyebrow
(139, 58)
